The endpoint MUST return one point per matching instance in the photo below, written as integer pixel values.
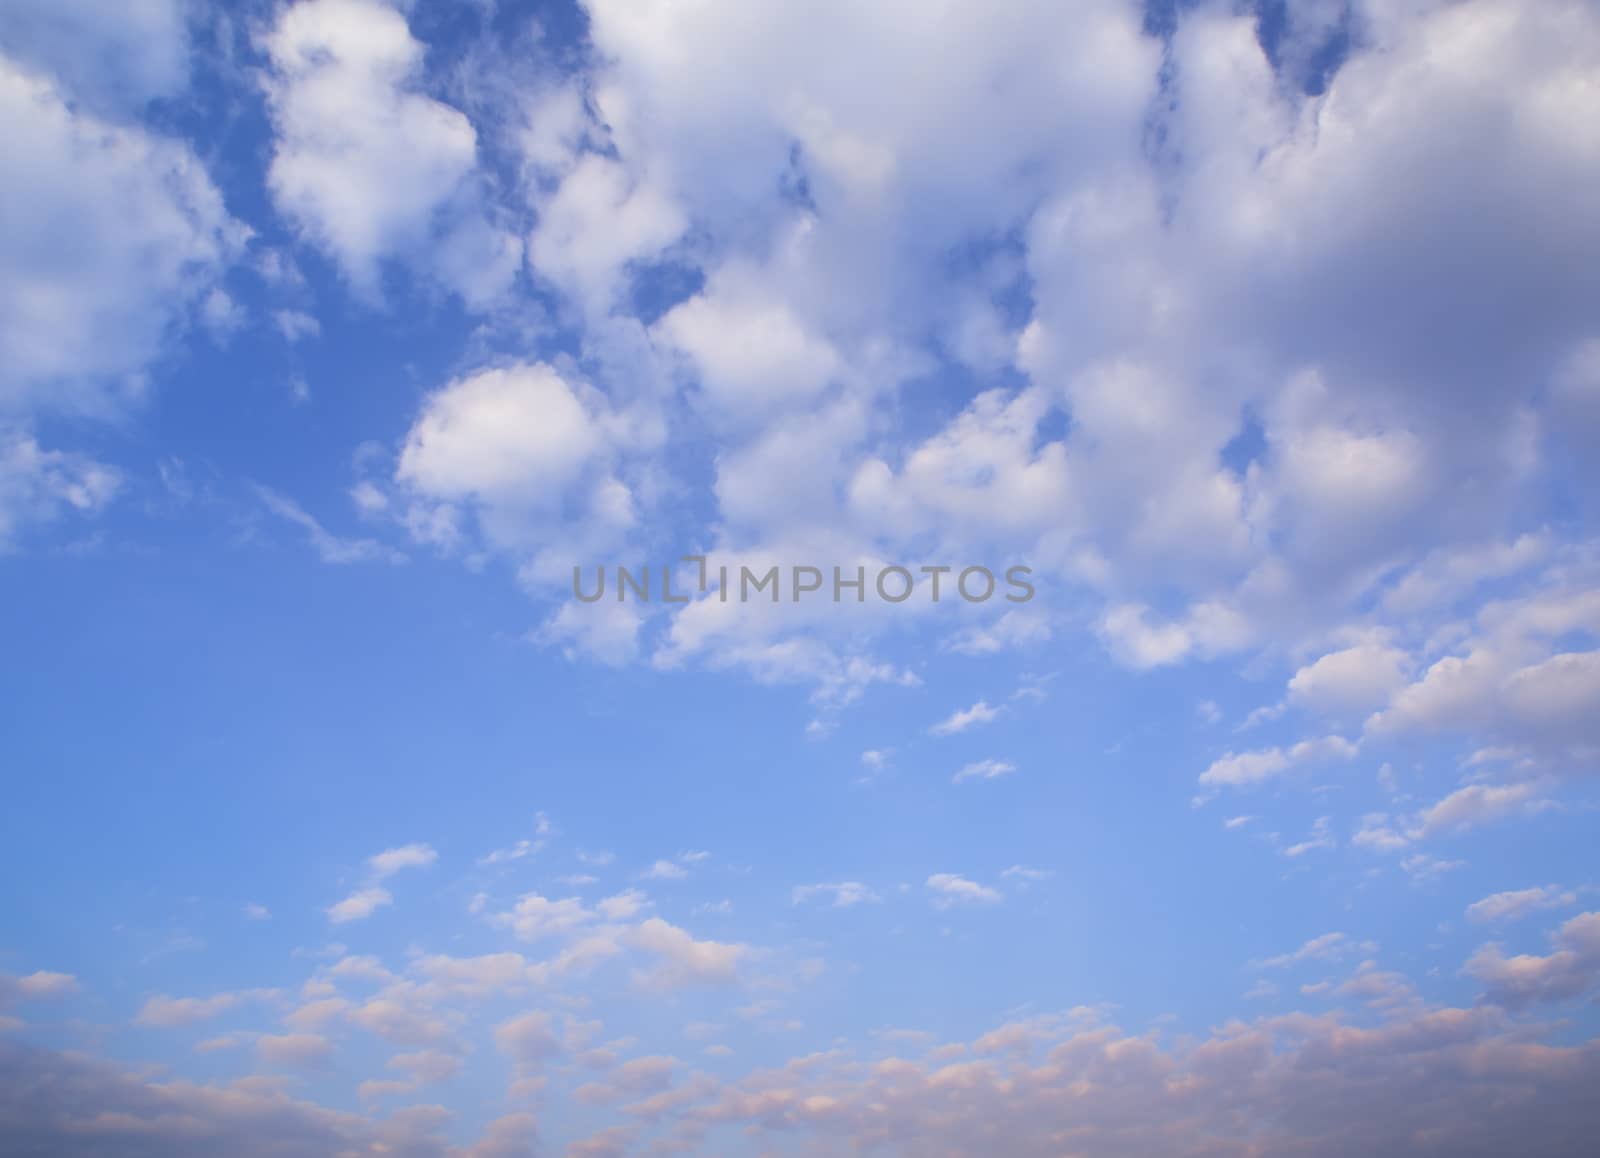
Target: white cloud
(1248, 768)
(598, 220)
(518, 434)
(751, 355)
(683, 960)
(360, 905)
(1025, 874)
(1379, 833)
(330, 548)
(111, 58)
(1519, 903)
(843, 895)
(960, 721)
(391, 861)
(1423, 866)
(36, 485)
(984, 770)
(365, 164)
(1474, 805)
(1354, 679)
(1328, 946)
(952, 889)
(1321, 837)
(113, 234)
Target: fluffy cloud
(112, 236)
(683, 960)
(365, 164)
(1524, 979)
(1351, 679)
(112, 58)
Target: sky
(337, 335)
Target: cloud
(1321, 837)
(664, 870)
(165, 1012)
(113, 235)
(1249, 768)
(843, 895)
(360, 905)
(1353, 679)
(391, 861)
(512, 434)
(1329, 946)
(1569, 971)
(330, 548)
(113, 60)
(1519, 903)
(372, 896)
(56, 1104)
(960, 721)
(952, 889)
(36, 485)
(529, 1039)
(683, 960)
(1425, 867)
(40, 986)
(1025, 874)
(293, 1050)
(365, 164)
(984, 770)
(1474, 805)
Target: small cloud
(359, 905)
(664, 870)
(978, 713)
(843, 895)
(1018, 872)
(1321, 837)
(296, 325)
(1513, 905)
(330, 548)
(952, 889)
(391, 861)
(1423, 867)
(983, 770)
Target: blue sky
(338, 332)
